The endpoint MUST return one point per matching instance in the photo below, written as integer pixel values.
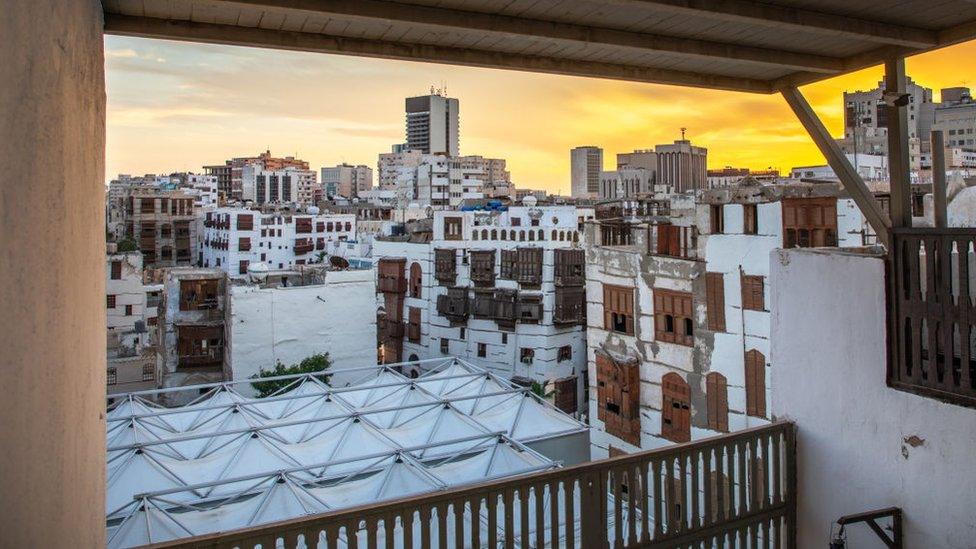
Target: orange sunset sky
(177, 106)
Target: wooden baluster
(406, 521)
(776, 456)
(311, 535)
(523, 495)
(508, 496)
(554, 512)
(330, 535)
(352, 534)
(569, 503)
(708, 486)
(442, 525)
(645, 504)
(614, 476)
(730, 483)
(425, 518)
(965, 315)
(632, 495)
(740, 454)
(492, 519)
(458, 508)
(389, 530)
(658, 498)
(476, 522)
(540, 516)
(696, 457)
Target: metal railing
(730, 490)
(932, 336)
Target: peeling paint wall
(861, 445)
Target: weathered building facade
(677, 307)
(503, 289)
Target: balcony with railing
(732, 490)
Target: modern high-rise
(682, 166)
(586, 163)
(433, 124)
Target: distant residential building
(496, 179)
(433, 124)
(190, 330)
(626, 182)
(871, 167)
(163, 223)
(280, 186)
(391, 165)
(444, 181)
(236, 238)
(681, 166)
(131, 364)
(346, 180)
(501, 288)
(204, 189)
(956, 117)
(646, 159)
(285, 316)
(585, 163)
(230, 174)
(729, 176)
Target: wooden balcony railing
(932, 335)
(734, 490)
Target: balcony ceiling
(724, 44)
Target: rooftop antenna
(683, 133)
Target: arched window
(542, 234)
(494, 234)
(416, 280)
(562, 236)
(575, 236)
(717, 395)
(484, 234)
(675, 408)
(521, 236)
(555, 234)
(531, 236)
(504, 234)
(474, 234)
(755, 383)
(511, 235)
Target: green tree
(128, 245)
(540, 390)
(315, 363)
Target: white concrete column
(52, 271)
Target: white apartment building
(289, 315)
(500, 288)
(279, 186)
(678, 322)
(204, 190)
(585, 165)
(346, 180)
(235, 238)
(390, 165)
(433, 124)
(131, 357)
(444, 181)
(871, 167)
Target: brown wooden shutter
(416, 279)
(717, 396)
(675, 408)
(715, 301)
(604, 372)
(116, 270)
(565, 397)
(245, 222)
(755, 383)
(752, 293)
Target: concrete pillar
(52, 270)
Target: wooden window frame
(413, 324)
(445, 265)
(564, 353)
(482, 267)
(716, 219)
(453, 228)
(526, 355)
(416, 280)
(673, 314)
(717, 401)
(715, 301)
(565, 394)
(618, 397)
(618, 300)
(675, 408)
(110, 301)
(116, 270)
(753, 292)
(755, 366)
(810, 222)
(750, 219)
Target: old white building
(444, 181)
(288, 185)
(501, 288)
(130, 352)
(289, 315)
(677, 308)
(234, 238)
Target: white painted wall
(828, 335)
(270, 325)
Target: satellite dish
(339, 262)
(530, 200)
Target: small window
(565, 353)
(110, 301)
(755, 383)
(462, 333)
(715, 301)
(128, 310)
(526, 355)
(112, 376)
(452, 228)
(673, 322)
(717, 219)
(717, 398)
(750, 221)
(148, 372)
(482, 350)
(504, 338)
(752, 293)
(618, 309)
(116, 270)
(445, 346)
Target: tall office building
(682, 166)
(586, 163)
(433, 125)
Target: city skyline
(177, 107)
